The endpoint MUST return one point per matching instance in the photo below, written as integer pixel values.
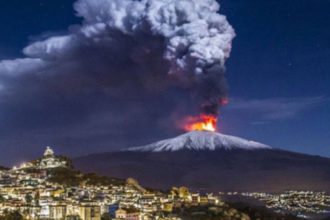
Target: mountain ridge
(237, 168)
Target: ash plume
(124, 53)
(189, 39)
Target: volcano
(201, 140)
(211, 161)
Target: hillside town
(301, 203)
(49, 188)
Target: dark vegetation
(261, 212)
(70, 177)
(3, 168)
(7, 215)
(231, 211)
(210, 213)
(106, 216)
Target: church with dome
(50, 160)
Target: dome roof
(48, 152)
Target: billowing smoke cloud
(125, 54)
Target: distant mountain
(212, 161)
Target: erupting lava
(200, 123)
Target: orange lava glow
(200, 123)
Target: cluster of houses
(27, 189)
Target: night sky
(278, 77)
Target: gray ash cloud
(138, 61)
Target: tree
(11, 216)
(36, 198)
(105, 216)
(28, 198)
(72, 217)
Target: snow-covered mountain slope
(201, 140)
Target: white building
(49, 160)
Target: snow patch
(201, 140)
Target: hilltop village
(49, 188)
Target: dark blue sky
(282, 49)
(278, 72)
